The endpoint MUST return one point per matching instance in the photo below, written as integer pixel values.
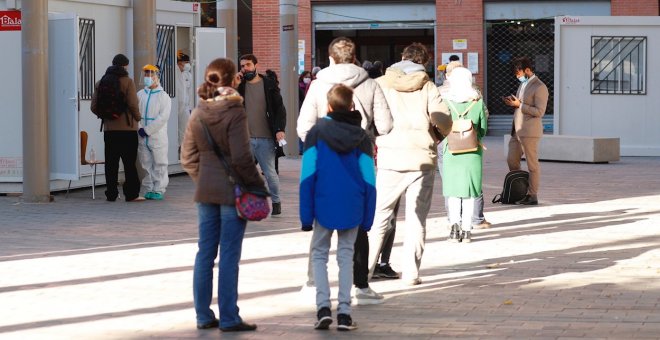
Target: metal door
(210, 44)
(63, 130)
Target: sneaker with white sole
(367, 296)
(384, 271)
(345, 323)
(324, 318)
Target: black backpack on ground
(516, 183)
(111, 102)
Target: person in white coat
(155, 105)
(183, 92)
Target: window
(86, 55)
(618, 65)
(166, 57)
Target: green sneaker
(149, 195)
(156, 196)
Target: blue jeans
(263, 150)
(219, 225)
(320, 249)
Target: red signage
(195, 7)
(10, 20)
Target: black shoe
(277, 209)
(455, 234)
(385, 272)
(345, 323)
(528, 200)
(324, 318)
(241, 327)
(466, 236)
(212, 324)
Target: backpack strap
(460, 115)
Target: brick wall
(461, 20)
(266, 34)
(636, 7)
(305, 30)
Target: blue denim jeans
(263, 150)
(219, 227)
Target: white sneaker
(367, 296)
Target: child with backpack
(337, 192)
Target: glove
(142, 133)
(307, 227)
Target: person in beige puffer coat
(407, 156)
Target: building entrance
(385, 45)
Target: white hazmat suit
(155, 105)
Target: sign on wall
(301, 56)
(10, 20)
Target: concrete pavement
(585, 263)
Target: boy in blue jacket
(337, 192)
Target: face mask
(522, 79)
(249, 75)
(148, 81)
(307, 80)
(186, 67)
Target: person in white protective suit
(155, 105)
(183, 92)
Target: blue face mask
(148, 81)
(523, 79)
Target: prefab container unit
(606, 82)
(83, 38)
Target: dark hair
(273, 76)
(249, 57)
(340, 97)
(520, 64)
(120, 60)
(302, 75)
(342, 50)
(454, 57)
(416, 53)
(378, 64)
(367, 65)
(220, 72)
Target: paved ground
(583, 264)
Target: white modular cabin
(607, 80)
(84, 36)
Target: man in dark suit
(530, 103)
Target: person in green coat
(462, 173)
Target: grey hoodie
(368, 99)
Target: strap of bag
(217, 151)
(451, 104)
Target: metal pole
(144, 36)
(227, 18)
(34, 37)
(289, 70)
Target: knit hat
(120, 60)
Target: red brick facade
(266, 34)
(455, 19)
(636, 7)
(460, 20)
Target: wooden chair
(84, 161)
